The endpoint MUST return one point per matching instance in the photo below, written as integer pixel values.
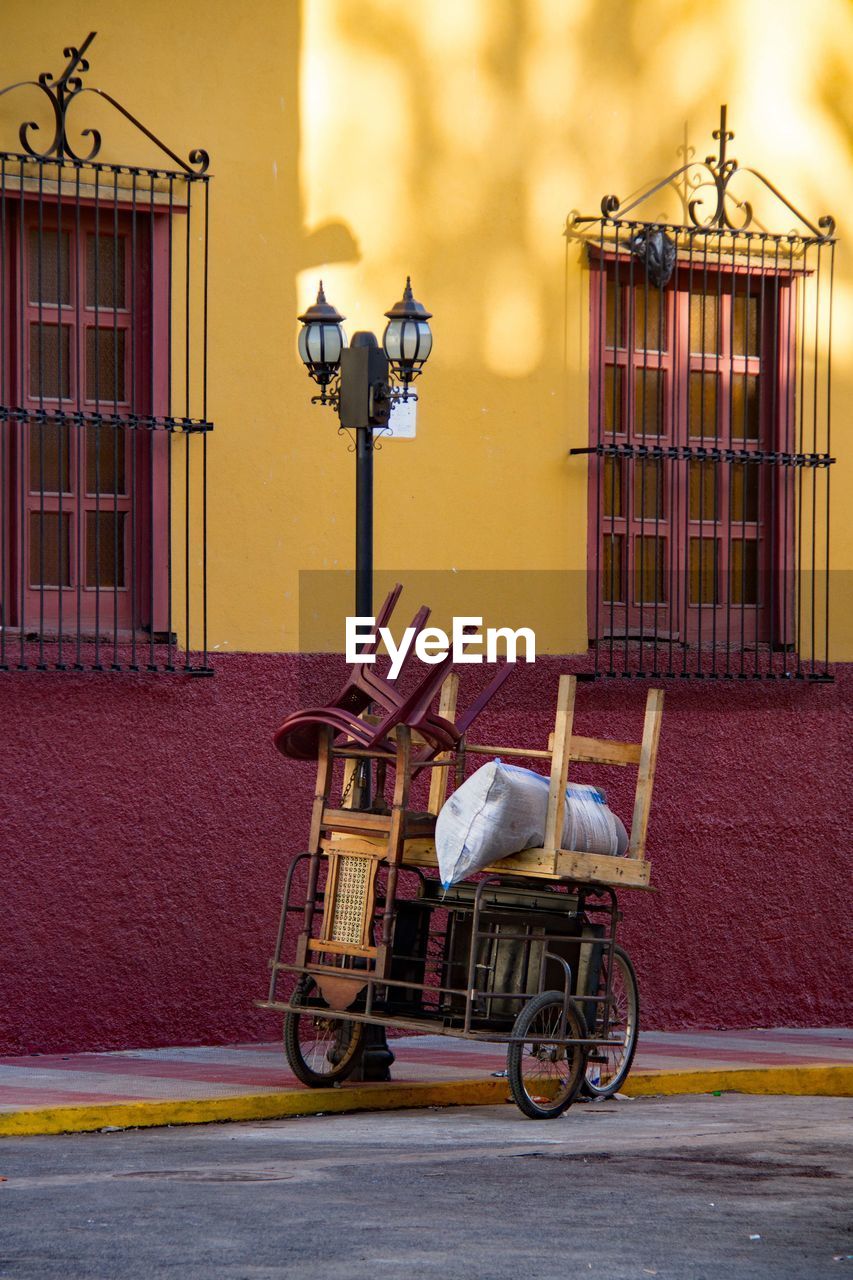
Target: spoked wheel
(607, 1069)
(321, 1048)
(545, 1076)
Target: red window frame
(704, 601)
(140, 601)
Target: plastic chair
(299, 734)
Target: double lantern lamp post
(362, 382)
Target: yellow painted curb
(257, 1106)
(828, 1081)
(834, 1081)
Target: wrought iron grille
(710, 434)
(103, 397)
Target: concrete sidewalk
(68, 1093)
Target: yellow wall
(362, 140)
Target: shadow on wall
(331, 242)
(485, 124)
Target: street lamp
(362, 382)
(321, 341)
(407, 339)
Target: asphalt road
(669, 1187)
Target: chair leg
(560, 763)
(646, 773)
(379, 805)
(377, 1056)
(441, 777)
(321, 796)
(396, 835)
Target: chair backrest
(383, 617)
(412, 710)
(380, 688)
(354, 696)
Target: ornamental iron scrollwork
(715, 174)
(61, 92)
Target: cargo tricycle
(527, 955)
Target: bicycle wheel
(321, 1048)
(607, 1069)
(545, 1077)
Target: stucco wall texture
(147, 824)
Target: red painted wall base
(147, 823)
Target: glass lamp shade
(408, 338)
(321, 339)
(320, 347)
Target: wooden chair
(352, 844)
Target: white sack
(501, 810)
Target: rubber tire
(337, 1071)
(575, 1027)
(615, 1084)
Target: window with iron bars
(103, 398)
(710, 442)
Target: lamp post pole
(364, 404)
(364, 522)
(376, 1056)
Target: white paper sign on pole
(402, 422)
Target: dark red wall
(147, 822)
